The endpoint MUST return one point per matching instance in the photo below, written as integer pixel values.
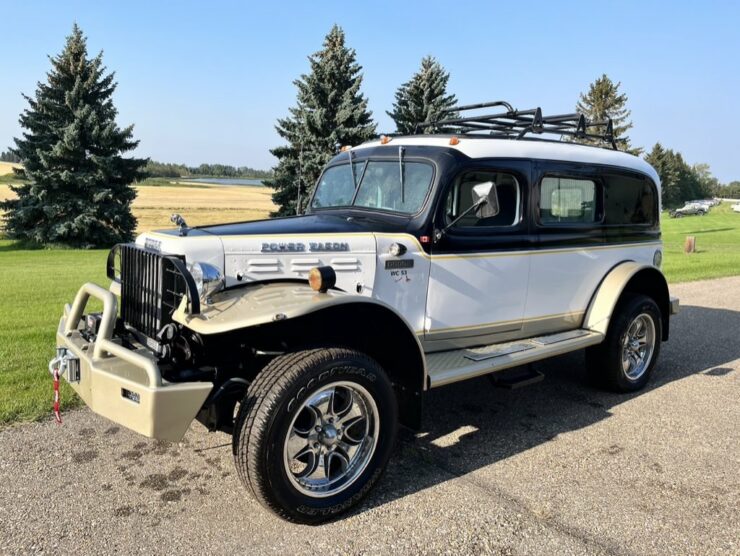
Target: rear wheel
(315, 432)
(625, 359)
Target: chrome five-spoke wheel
(638, 346)
(331, 439)
(315, 432)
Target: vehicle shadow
(488, 424)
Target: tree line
(9, 156)
(156, 169)
(79, 193)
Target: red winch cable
(57, 414)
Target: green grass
(717, 245)
(34, 286)
(36, 283)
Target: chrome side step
(446, 367)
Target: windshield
(379, 186)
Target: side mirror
(485, 199)
(485, 205)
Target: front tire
(624, 361)
(315, 432)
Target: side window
(568, 201)
(629, 200)
(460, 198)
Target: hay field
(7, 167)
(205, 204)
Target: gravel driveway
(554, 468)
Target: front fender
(262, 303)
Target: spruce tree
(663, 164)
(423, 98)
(330, 111)
(79, 189)
(603, 100)
(679, 181)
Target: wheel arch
(633, 277)
(368, 327)
(283, 316)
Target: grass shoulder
(717, 245)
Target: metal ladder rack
(515, 124)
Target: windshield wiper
(400, 169)
(352, 168)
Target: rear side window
(629, 200)
(568, 201)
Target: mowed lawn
(36, 283)
(717, 245)
(34, 286)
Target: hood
(283, 248)
(316, 223)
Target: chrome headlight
(208, 279)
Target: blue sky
(205, 81)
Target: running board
(446, 367)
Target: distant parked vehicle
(736, 207)
(690, 209)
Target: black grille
(152, 287)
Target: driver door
(480, 266)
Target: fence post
(689, 246)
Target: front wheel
(315, 432)
(624, 360)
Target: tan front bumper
(122, 384)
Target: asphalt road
(555, 468)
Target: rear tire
(315, 433)
(624, 361)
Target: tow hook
(64, 362)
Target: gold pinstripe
(504, 322)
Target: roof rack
(515, 124)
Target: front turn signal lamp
(322, 278)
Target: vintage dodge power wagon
(474, 248)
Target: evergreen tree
(659, 159)
(679, 181)
(603, 100)
(79, 191)
(330, 111)
(423, 98)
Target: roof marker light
(384, 139)
(454, 140)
